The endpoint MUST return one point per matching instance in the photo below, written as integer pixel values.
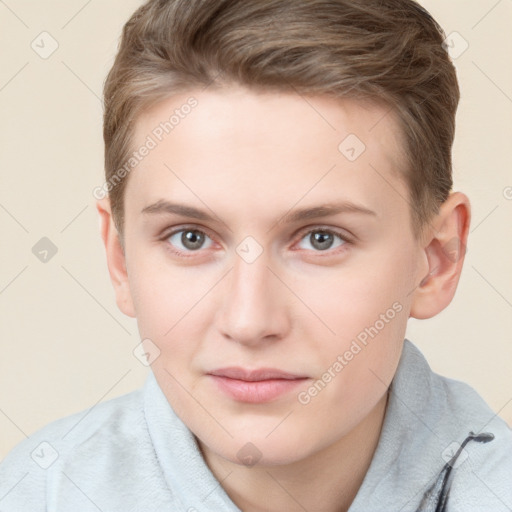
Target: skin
(249, 159)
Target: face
(270, 259)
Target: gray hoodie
(441, 449)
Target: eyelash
(307, 231)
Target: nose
(253, 307)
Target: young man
(279, 204)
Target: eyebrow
(325, 210)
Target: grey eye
(321, 239)
(190, 239)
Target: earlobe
(116, 260)
(445, 253)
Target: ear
(445, 250)
(116, 261)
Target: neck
(326, 481)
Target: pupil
(322, 240)
(192, 239)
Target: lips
(255, 386)
(254, 375)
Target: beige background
(64, 344)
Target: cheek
(163, 293)
(174, 307)
(366, 309)
(355, 375)
(352, 297)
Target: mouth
(255, 386)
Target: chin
(253, 449)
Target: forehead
(237, 148)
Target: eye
(188, 240)
(322, 239)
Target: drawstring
(436, 498)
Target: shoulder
(482, 478)
(481, 475)
(453, 405)
(28, 470)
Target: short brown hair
(391, 52)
